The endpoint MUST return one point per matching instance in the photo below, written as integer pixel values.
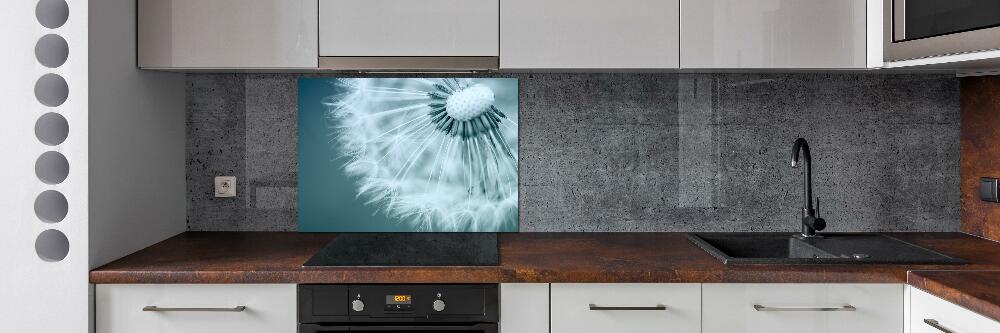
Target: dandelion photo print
(407, 155)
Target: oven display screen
(398, 299)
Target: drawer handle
(935, 324)
(759, 307)
(658, 307)
(154, 308)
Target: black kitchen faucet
(810, 221)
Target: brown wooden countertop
(978, 291)
(277, 257)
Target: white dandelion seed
(437, 154)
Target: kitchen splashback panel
(639, 152)
(407, 155)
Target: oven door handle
(485, 328)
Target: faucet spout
(801, 145)
(810, 222)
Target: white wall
(137, 185)
(38, 295)
(125, 150)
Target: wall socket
(988, 189)
(225, 187)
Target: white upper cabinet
(777, 33)
(512, 34)
(227, 33)
(624, 34)
(407, 28)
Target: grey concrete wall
(640, 152)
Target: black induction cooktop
(409, 249)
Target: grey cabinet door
(773, 34)
(624, 34)
(408, 28)
(228, 33)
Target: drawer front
(572, 311)
(946, 315)
(802, 308)
(269, 308)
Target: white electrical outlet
(225, 187)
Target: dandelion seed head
(437, 154)
(470, 102)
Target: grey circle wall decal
(51, 206)
(52, 245)
(51, 51)
(51, 90)
(52, 167)
(52, 13)
(52, 129)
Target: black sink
(835, 248)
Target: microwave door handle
(898, 20)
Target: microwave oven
(915, 29)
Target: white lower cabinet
(569, 307)
(201, 308)
(524, 308)
(802, 308)
(625, 308)
(930, 314)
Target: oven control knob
(358, 305)
(438, 305)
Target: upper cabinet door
(408, 28)
(773, 34)
(623, 34)
(227, 33)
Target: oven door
(916, 29)
(474, 328)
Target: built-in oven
(928, 28)
(385, 308)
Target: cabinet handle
(759, 307)
(935, 324)
(657, 307)
(154, 308)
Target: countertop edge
(277, 258)
(940, 283)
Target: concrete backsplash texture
(640, 152)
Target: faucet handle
(817, 206)
(818, 224)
